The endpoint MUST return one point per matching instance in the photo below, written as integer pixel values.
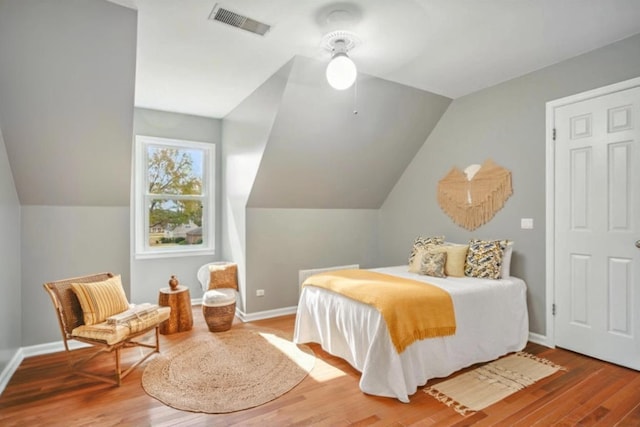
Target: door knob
(637, 243)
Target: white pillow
(505, 269)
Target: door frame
(550, 243)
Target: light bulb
(341, 71)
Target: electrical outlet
(526, 223)
(259, 292)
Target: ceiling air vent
(236, 20)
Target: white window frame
(142, 197)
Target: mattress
(491, 318)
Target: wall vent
(239, 21)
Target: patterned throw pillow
(100, 300)
(432, 264)
(416, 256)
(423, 243)
(484, 258)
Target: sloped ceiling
(321, 154)
(66, 100)
(189, 64)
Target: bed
(491, 319)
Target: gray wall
(245, 133)
(507, 124)
(66, 99)
(67, 241)
(282, 241)
(10, 307)
(148, 275)
(66, 114)
(66, 111)
(322, 175)
(350, 161)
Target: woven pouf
(218, 309)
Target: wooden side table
(181, 317)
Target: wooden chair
(69, 312)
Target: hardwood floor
(590, 392)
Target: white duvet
(491, 320)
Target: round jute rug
(227, 371)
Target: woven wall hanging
(473, 196)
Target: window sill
(173, 254)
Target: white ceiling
(189, 64)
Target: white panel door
(597, 224)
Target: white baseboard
(10, 369)
(540, 339)
(51, 347)
(268, 314)
(260, 315)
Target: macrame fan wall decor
(473, 196)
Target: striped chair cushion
(100, 300)
(110, 333)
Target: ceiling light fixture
(341, 71)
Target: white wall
(507, 124)
(149, 275)
(10, 307)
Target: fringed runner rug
(490, 383)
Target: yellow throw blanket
(412, 310)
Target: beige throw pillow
(456, 256)
(100, 300)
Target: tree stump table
(181, 317)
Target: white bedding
(491, 319)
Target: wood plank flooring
(590, 393)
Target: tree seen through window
(175, 189)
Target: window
(174, 197)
